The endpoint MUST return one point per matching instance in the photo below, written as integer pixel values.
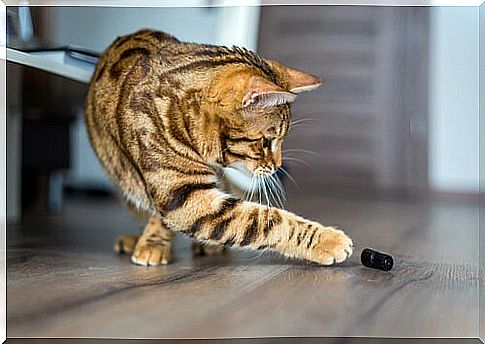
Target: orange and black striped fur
(164, 118)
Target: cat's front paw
(330, 246)
(151, 255)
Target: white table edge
(48, 65)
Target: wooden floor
(64, 281)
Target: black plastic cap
(376, 260)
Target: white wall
(238, 26)
(3, 144)
(453, 100)
(482, 101)
(96, 27)
(3, 121)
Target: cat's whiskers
(289, 176)
(276, 194)
(247, 192)
(277, 190)
(270, 191)
(268, 205)
(253, 188)
(301, 125)
(301, 120)
(300, 150)
(297, 124)
(296, 159)
(282, 191)
(260, 197)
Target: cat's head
(260, 115)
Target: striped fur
(164, 117)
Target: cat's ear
(263, 93)
(297, 81)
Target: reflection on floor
(63, 280)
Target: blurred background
(397, 116)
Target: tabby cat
(165, 117)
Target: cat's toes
(201, 249)
(125, 244)
(152, 255)
(332, 246)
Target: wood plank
(70, 290)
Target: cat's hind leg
(206, 249)
(154, 247)
(125, 243)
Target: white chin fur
(239, 176)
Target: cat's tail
(125, 244)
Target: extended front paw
(150, 255)
(330, 246)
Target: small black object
(376, 260)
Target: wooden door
(369, 128)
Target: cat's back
(144, 48)
(129, 70)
